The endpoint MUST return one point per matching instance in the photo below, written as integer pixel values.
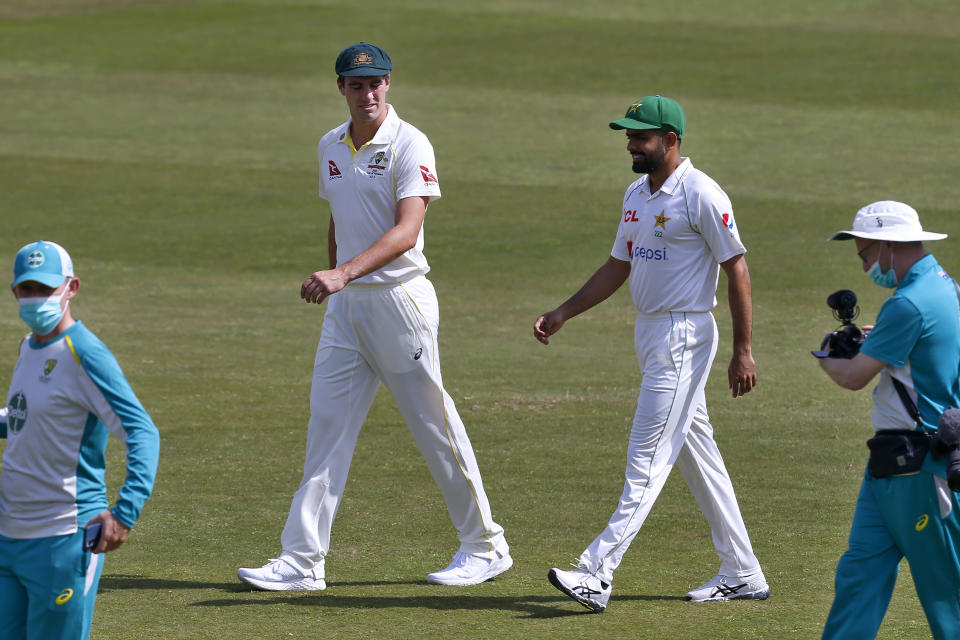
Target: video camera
(846, 340)
(947, 443)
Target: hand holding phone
(91, 535)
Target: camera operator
(905, 506)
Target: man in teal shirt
(904, 512)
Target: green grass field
(170, 146)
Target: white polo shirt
(364, 186)
(674, 240)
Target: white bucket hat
(887, 220)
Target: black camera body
(947, 443)
(846, 340)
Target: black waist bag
(898, 452)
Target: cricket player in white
(379, 175)
(676, 231)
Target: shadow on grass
(532, 606)
(529, 606)
(115, 582)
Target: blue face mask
(886, 279)
(42, 315)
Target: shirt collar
(384, 134)
(673, 182)
(676, 177)
(920, 267)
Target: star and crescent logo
(634, 108)
(661, 221)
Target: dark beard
(649, 164)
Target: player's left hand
(322, 284)
(114, 532)
(742, 374)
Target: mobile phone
(91, 535)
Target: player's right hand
(114, 532)
(321, 285)
(547, 325)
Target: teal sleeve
(142, 437)
(897, 330)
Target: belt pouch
(894, 453)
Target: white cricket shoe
(280, 575)
(585, 588)
(466, 569)
(723, 587)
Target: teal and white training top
(65, 397)
(917, 335)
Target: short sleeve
(716, 223)
(896, 332)
(416, 170)
(621, 247)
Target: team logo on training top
(35, 259)
(728, 220)
(334, 171)
(48, 366)
(17, 412)
(427, 175)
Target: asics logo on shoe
(724, 589)
(584, 590)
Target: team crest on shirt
(48, 368)
(660, 221)
(378, 163)
(17, 412)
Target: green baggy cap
(363, 59)
(653, 112)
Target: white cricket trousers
(671, 426)
(371, 334)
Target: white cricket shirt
(674, 240)
(364, 186)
